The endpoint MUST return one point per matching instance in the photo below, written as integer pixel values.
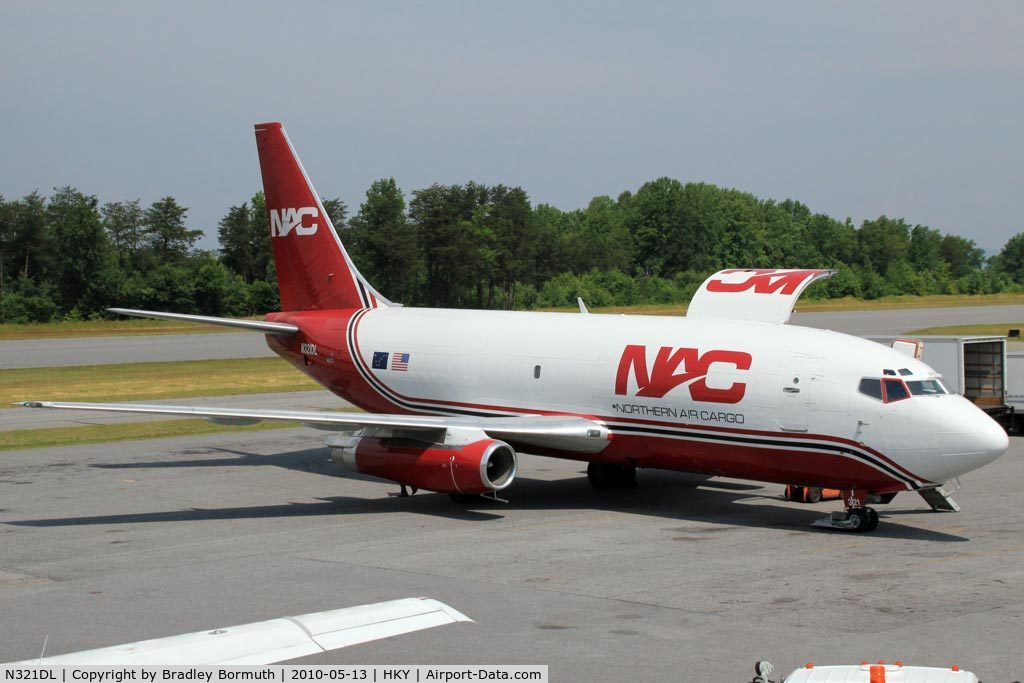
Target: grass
(66, 436)
(988, 329)
(151, 381)
(824, 305)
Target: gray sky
(856, 108)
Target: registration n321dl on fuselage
(453, 396)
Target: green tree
(165, 231)
(87, 279)
(884, 241)
(386, 252)
(962, 255)
(1010, 261)
(241, 243)
(123, 223)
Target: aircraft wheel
(608, 476)
(872, 519)
(857, 519)
(813, 494)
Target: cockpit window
(887, 371)
(895, 390)
(872, 388)
(926, 387)
(905, 372)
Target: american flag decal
(400, 362)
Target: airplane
(731, 390)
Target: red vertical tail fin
(313, 270)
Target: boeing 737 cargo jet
(452, 396)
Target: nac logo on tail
(663, 376)
(283, 221)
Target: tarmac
(679, 579)
(176, 347)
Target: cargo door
(800, 382)
(983, 372)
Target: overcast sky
(856, 108)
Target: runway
(679, 579)
(142, 349)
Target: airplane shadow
(668, 495)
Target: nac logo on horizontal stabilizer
(283, 221)
(760, 281)
(676, 366)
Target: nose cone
(968, 438)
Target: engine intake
(479, 467)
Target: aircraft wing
(557, 431)
(276, 640)
(752, 294)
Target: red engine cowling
(479, 467)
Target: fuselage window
(895, 390)
(872, 388)
(926, 387)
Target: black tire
(602, 475)
(598, 475)
(872, 519)
(813, 494)
(858, 519)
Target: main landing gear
(856, 517)
(603, 475)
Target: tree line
(66, 256)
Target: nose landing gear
(856, 517)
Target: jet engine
(482, 466)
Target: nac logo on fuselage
(283, 221)
(666, 374)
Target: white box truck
(973, 366)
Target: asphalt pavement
(680, 579)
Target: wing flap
(752, 294)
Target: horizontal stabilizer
(254, 325)
(752, 294)
(276, 640)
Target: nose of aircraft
(968, 438)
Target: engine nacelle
(478, 467)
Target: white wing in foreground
(568, 432)
(276, 640)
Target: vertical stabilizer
(313, 270)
